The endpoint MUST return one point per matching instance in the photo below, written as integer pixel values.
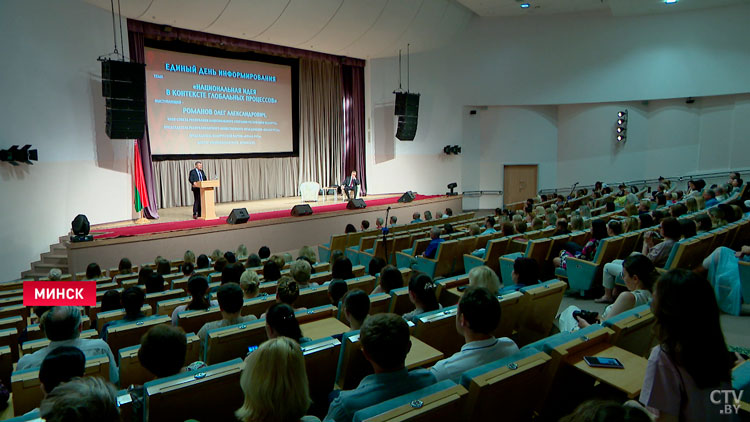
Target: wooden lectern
(207, 198)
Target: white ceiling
(355, 28)
(495, 8)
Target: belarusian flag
(139, 183)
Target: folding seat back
(11, 300)
(166, 307)
(14, 310)
(582, 274)
(311, 297)
(365, 282)
(25, 384)
(399, 243)
(405, 258)
(438, 329)
(742, 234)
(103, 318)
(32, 346)
(6, 362)
(379, 303)
(513, 307)
(257, 306)
(129, 334)
(538, 249)
(696, 250)
(318, 278)
(741, 381)
(232, 341)
(720, 236)
(216, 384)
(131, 371)
(544, 301)
(321, 358)
(442, 401)
(443, 263)
(153, 298)
(629, 243)
(400, 303)
(744, 268)
(580, 237)
(556, 246)
(507, 387)
(9, 337)
(352, 365)
(633, 330)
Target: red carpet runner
(194, 224)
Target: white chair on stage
(309, 191)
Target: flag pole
(141, 219)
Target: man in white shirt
(477, 318)
(62, 326)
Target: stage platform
(270, 224)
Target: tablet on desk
(603, 362)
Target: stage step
(57, 257)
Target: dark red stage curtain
(354, 123)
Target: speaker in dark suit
(196, 175)
(351, 184)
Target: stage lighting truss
(621, 126)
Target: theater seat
(442, 401)
(633, 330)
(543, 303)
(321, 358)
(129, 334)
(211, 394)
(438, 329)
(506, 388)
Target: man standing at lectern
(350, 185)
(196, 175)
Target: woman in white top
(639, 274)
(198, 288)
(422, 293)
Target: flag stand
(141, 219)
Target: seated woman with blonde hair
(484, 276)
(274, 383)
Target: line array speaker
(124, 88)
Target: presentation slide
(210, 105)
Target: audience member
(379, 223)
(188, 269)
(390, 278)
(669, 229)
(385, 344)
(230, 257)
(300, 271)
(688, 228)
(685, 368)
(271, 271)
(275, 385)
(484, 276)
(435, 241)
(202, 262)
(241, 251)
(356, 308)
(62, 326)
(422, 295)
(427, 215)
(709, 196)
(375, 266)
(489, 225)
(216, 255)
(93, 271)
(59, 366)
(287, 291)
(232, 273)
(415, 218)
(125, 267)
(110, 301)
(308, 253)
(253, 261)
(336, 290)
(281, 322)
(250, 284)
(365, 225)
(350, 229)
(264, 252)
(231, 298)
(525, 273)
(155, 283)
(163, 350)
(89, 399)
(598, 233)
(609, 411)
(163, 267)
(342, 269)
(477, 317)
(393, 220)
(198, 289)
(724, 275)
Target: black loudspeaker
(407, 110)
(124, 88)
(300, 210)
(407, 197)
(356, 203)
(238, 216)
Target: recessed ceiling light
(670, 1)
(525, 5)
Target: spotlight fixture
(452, 186)
(452, 149)
(14, 155)
(621, 125)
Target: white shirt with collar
(473, 354)
(89, 347)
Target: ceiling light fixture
(670, 1)
(525, 5)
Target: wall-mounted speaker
(124, 88)
(407, 110)
(300, 210)
(238, 216)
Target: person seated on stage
(202, 262)
(350, 185)
(230, 298)
(250, 283)
(81, 399)
(489, 225)
(393, 220)
(379, 222)
(484, 276)
(198, 289)
(336, 290)
(271, 271)
(300, 270)
(232, 273)
(365, 225)
(188, 269)
(427, 215)
(62, 326)
(356, 308)
(155, 283)
(390, 278)
(253, 261)
(415, 218)
(376, 265)
(477, 317)
(93, 271)
(230, 257)
(342, 269)
(435, 241)
(385, 343)
(264, 252)
(422, 296)
(60, 366)
(350, 229)
(308, 254)
(281, 322)
(448, 213)
(163, 267)
(274, 384)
